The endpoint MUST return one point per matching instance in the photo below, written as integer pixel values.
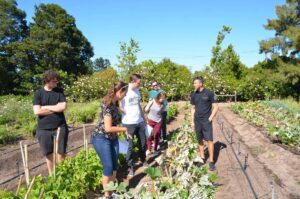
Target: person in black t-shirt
(49, 105)
(203, 110)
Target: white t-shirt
(131, 105)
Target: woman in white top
(155, 108)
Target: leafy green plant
(172, 111)
(279, 117)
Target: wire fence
(242, 160)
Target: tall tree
(231, 64)
(284, 48)
(100, 64)
(217, 49)
(226, 62)
(287, 31)
(13, 29)
(128, 56)
(55, 42)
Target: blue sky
(183, 30)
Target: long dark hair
(108, 99)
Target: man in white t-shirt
(133, 119)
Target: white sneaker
(148, 152)
(199, 160)
(158, 147)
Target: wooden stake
(19, 185)
(57, 139)
(22, 154)
(84, 135)
(54, 157)
(26, 166)
(30, 187)
(86, 149)
(55, 151)
(42, 193)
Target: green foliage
(82, 113)
(74, 177)
(127, 57)
(8, 195)
(13, 29)
(92, 87)
(287, 31)
(54, 42)
(100, 64)
(153, 172)
(279, 77)
(176, 79)
(172, 111)
(16, 118)
(217, 50)
(280, 118)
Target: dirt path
(11, 165)
(140, 179)
(267, 162)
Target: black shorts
(46, 137)
(204, 130)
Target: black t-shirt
(203, 103)
(44, 98)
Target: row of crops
(280, 118)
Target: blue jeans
(164, 125)
(108, 152)
(139, 131)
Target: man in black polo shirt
(203, 110)
(49, 105)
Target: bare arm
(110, 128)
(193, 115)
(60, 107)
(147, 108)
(142, 112)
(214, 111)
(42, 112)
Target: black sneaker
(131, 171)
(212, 166)
(156, 153)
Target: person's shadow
(218, 146)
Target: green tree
(100, 64)
(215, 62)
(284, 48)
(287, 31)
(128, 56)
(176, 79)
(230, 63)
(54, 42)
(13, 29)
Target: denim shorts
(108, 152)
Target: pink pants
(156, 127)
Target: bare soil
(266, 162)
